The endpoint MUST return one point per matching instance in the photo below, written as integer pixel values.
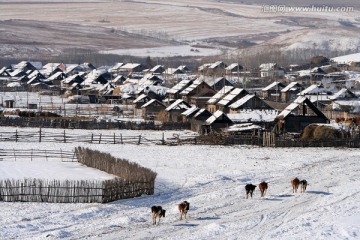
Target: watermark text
(287, 9)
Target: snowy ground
(212, 179)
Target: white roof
(231, 66)
(129, 65)
(254, 115)
(225, 90)
(215, 116)
(342, 93)
(190, 111)
(267, 66)
(243, 127)
(271, 86)
(313, 89)
(187, 90)
(292, 106)
(241, 101)
(234, 93)
(178, 87)
(178, 104)
(139, 98)
(151, 102)
(291, 86)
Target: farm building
(272, 92)
(151, 109)
(197, 88)
(291, 91)
(299, 114)
(175, 109)
(217, 122)
(211, 103)
(230, 98)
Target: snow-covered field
(212, 179)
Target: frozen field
(212, 179)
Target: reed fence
(131, 179)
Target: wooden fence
(68, 137)
(90, 124)
(36, 154)
(132, 180)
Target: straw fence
(131, 180)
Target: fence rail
(36, 154)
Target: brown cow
(295, 184)
(157, 211)
(183, 208)
(249, 190)
(263, 186)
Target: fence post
(163, 139)
(139, 140)
(100, 138)
(40, 135)
(31, 154)
(121, 139)
(64, 137)
(114, 139)
(92, 137)
(14, 154)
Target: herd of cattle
(158, 211)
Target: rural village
(216, 98)
(238, 119)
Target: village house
(298, 115)
(230, 98)
(216, 123)
(272, 92)
(217, 83)
(151, 109)
(211, 103)
(271, 70)
(198, 93)
(175, 109)
(174, 92)
(197, 118)
(291, 91)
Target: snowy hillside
(212, 179)
(347, 58)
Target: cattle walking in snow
(295, 184)
(249, 190)
(183, 208)
(303, 185)
(263, 186)
(157, 212)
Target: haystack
(323, 132)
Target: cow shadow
(284, 195)
(319, 192)
(207, 218)
(186, 225)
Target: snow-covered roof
(178, 104)
(216, 115)
(139, 98)
(229, 97)
(343, 93)
(194, 85)
(272, 85)
(217, 97)
(190, 111)
(313, 89)
(241, 101)
(254, 115)
(267, 66)
(151, 102)
(243, 127)
(291, 86)
(178, 87)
